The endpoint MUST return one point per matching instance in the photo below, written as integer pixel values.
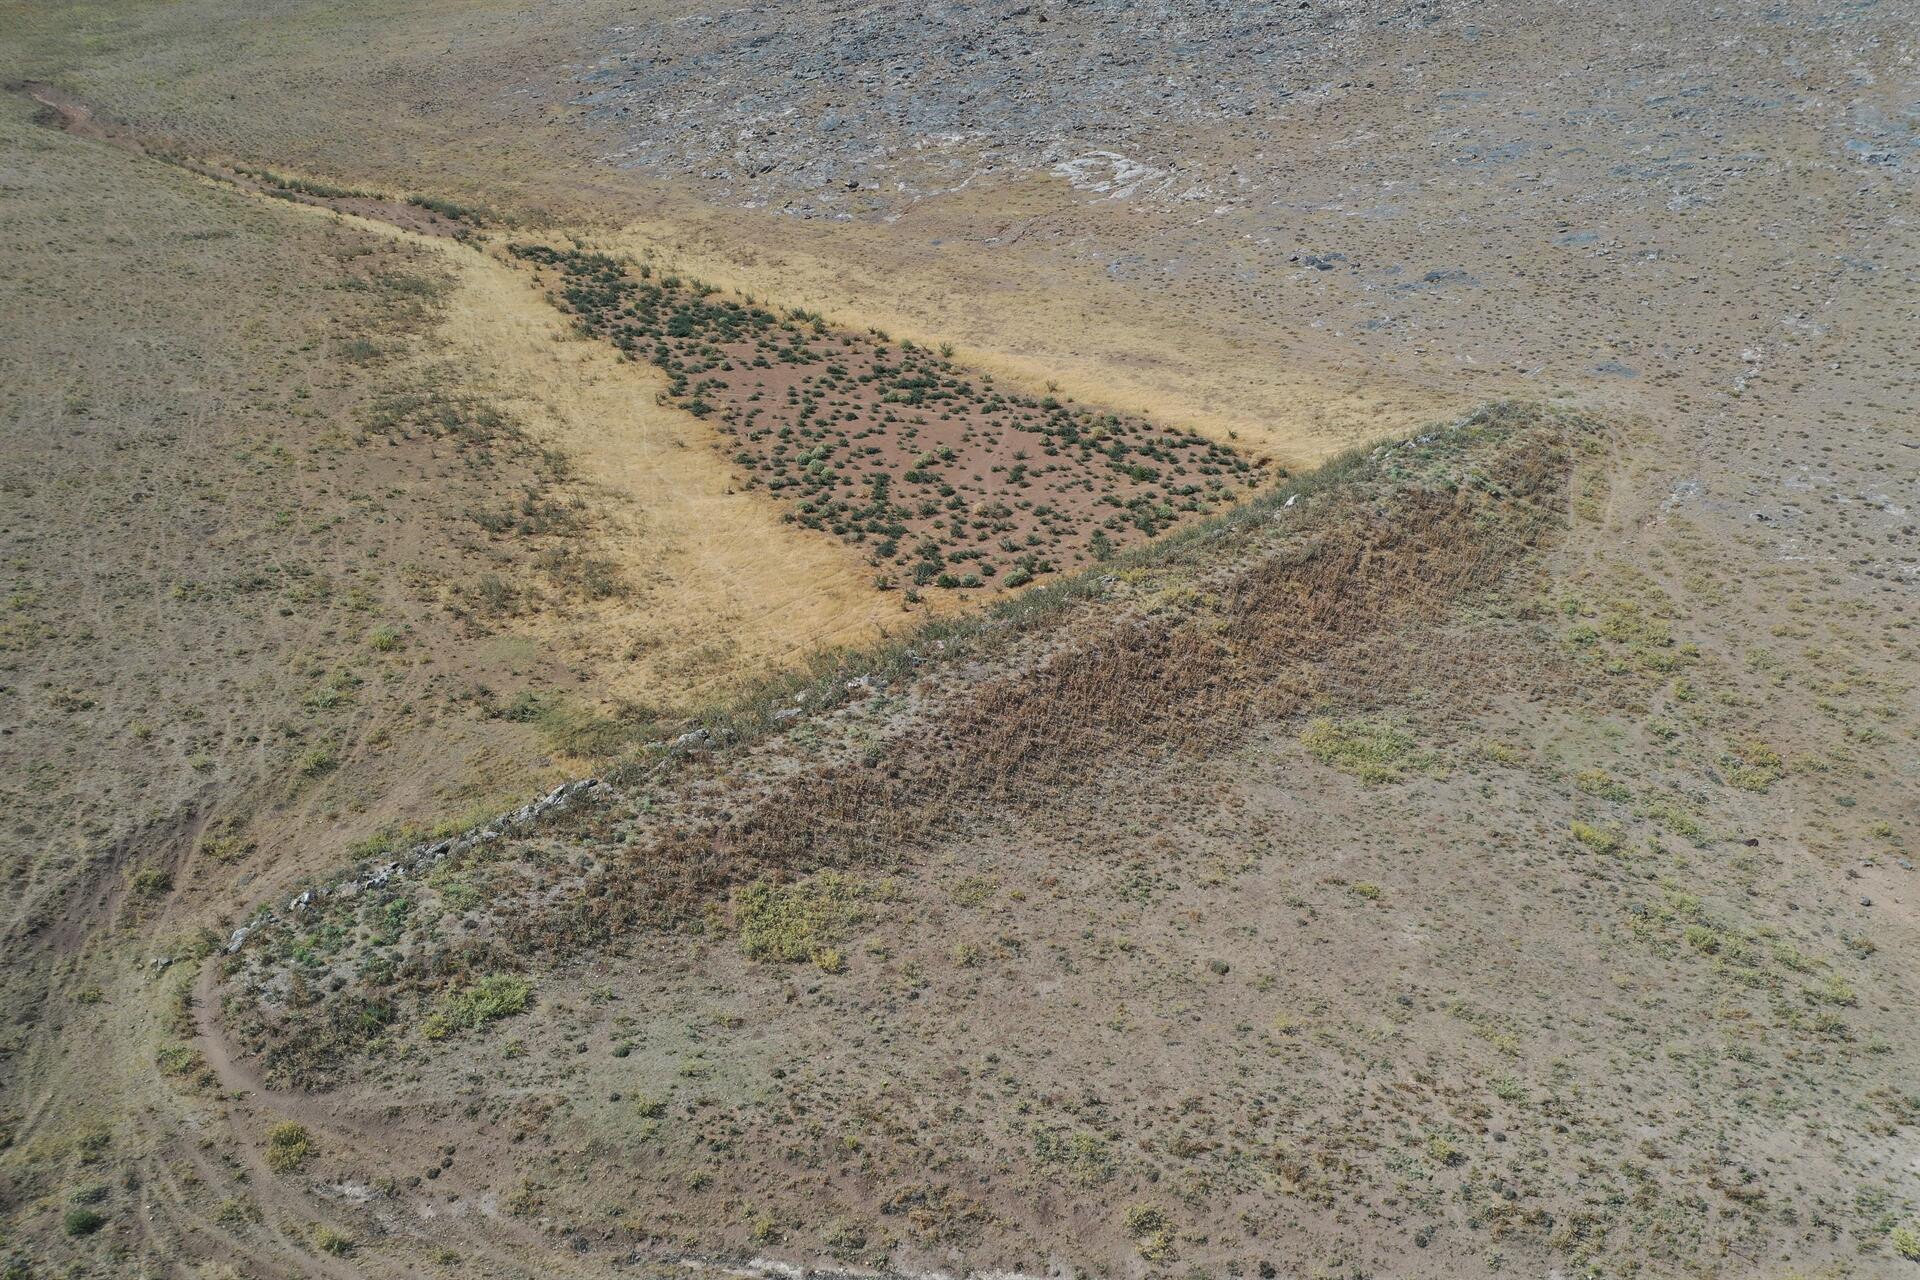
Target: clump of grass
(1835, 990)
(844, 1240)
(1501, 752)
(1370, 752)
(1598, 839)
(1675, 819)
(1081, 1155)
(288, 1146)
(1151, 1232)
(796, 922)
(1906, 1242)
(238, 1211)
(329, 1241)
(1367, 889)
(152, 880)
(496, 996)
(224, 841)
(1598, 782)
(1791, 957)
(975, 891)
(178, 1060)
(317, 761)
(1753, 765)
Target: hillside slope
(1477, 842)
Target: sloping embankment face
(1181, 648)
(1061, 933)
(727, 899)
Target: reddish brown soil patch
(945, 479)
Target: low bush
(288, 1146)
(496, 996)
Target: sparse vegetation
(943, 478)
(1488, 855)
(1754, 766)
(1151, 1232)
(797, 922)
(1370, 752)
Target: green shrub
(329, 1241)
(1597, 782)
(1151, 1232)
(152, 880)
(1598, 839)
(1370, 752)
(1753, 766)
(796, 922)
(83, 1221)
(496, 996)
(1676, 820)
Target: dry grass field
(1456, 819)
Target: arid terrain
(1062, 638)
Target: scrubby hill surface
(1496, 860)
(895, 448)
(1214, 910)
